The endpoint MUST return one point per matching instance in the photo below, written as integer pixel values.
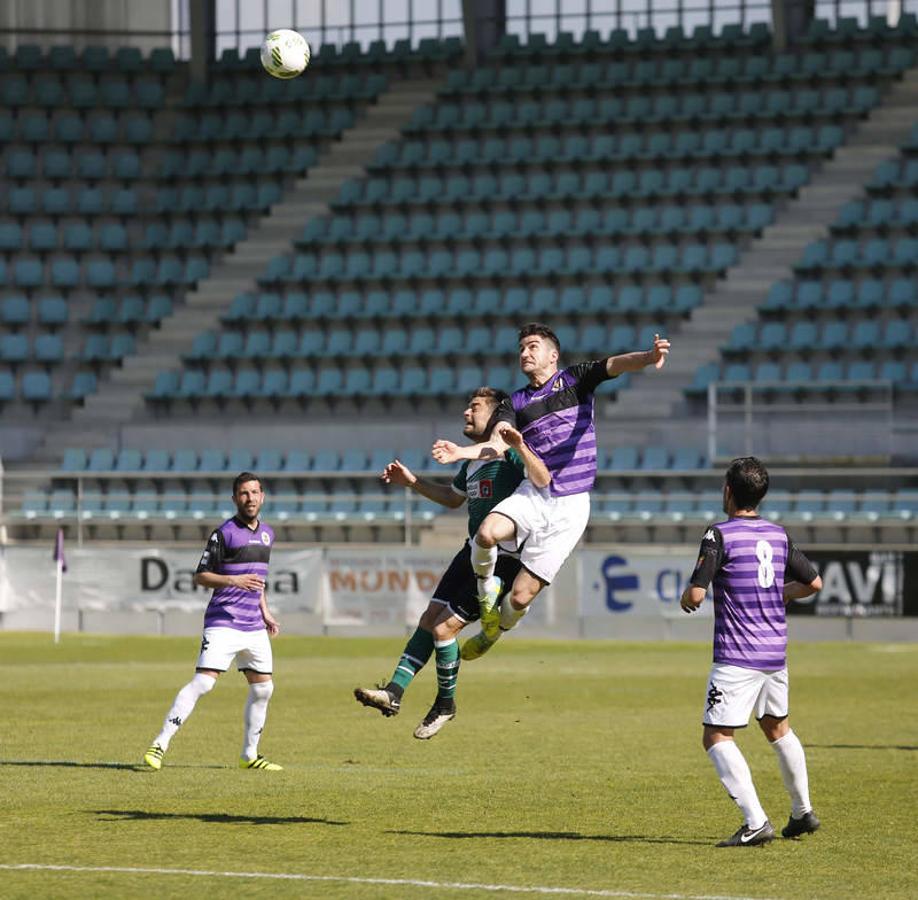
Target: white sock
(182, 706)
(483, 560)
(509, 616)
(256, 711)
(792, 762)
(736, 778)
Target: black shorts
(458, 588)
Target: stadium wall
(602, 593)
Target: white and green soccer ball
(284, 53)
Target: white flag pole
(58, 600)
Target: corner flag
(59, 550)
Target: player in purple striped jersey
(554, 412)
(237, 623)
(755, 570)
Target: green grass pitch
(572, 766)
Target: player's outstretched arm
(399, 474)
(446, 452)
(536, 470)
(634, 362)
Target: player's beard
(473, 435)
(246, 517)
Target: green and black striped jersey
(486, 483)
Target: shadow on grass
(72, 764)
(142, 815)
(863, 747)
(557, 836)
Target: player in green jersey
(483, 483)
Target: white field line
(397, 882)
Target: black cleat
(379, 698)
(748, 837)
(806, 824)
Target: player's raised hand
(399, 474)
(512, 437)
(659, 352)
(445, 452)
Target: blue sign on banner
(639, 583)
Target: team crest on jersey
(265, 539)
(481, 490)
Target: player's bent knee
(203, 683)
(429, 616)
(485, 536)
(773, 729)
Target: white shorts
(251, 650)
(734, 692)
(547, 528)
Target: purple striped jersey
(556, 420)
(747, 558)
(236, 549)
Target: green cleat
(154, 757)
(489, 606)
(260, 763)
(478, 645)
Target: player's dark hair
(747, 478)
(243, 477)
(540, 330)
(488, 393)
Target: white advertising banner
(388, 586)
(380, 586)
(147, 579)
(634, 582)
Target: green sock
(447, 669)
(414, 657)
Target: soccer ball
(284, 53)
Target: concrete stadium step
(768, 259)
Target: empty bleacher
(603, 184)
(847, 324)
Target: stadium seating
(610, 182)
(604, 183)
(113, 210)
(846, 326)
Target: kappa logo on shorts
(715, 696)
(205, 643)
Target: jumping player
(237, 623)
(554, 413)
(454, 604)
(756, 570)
